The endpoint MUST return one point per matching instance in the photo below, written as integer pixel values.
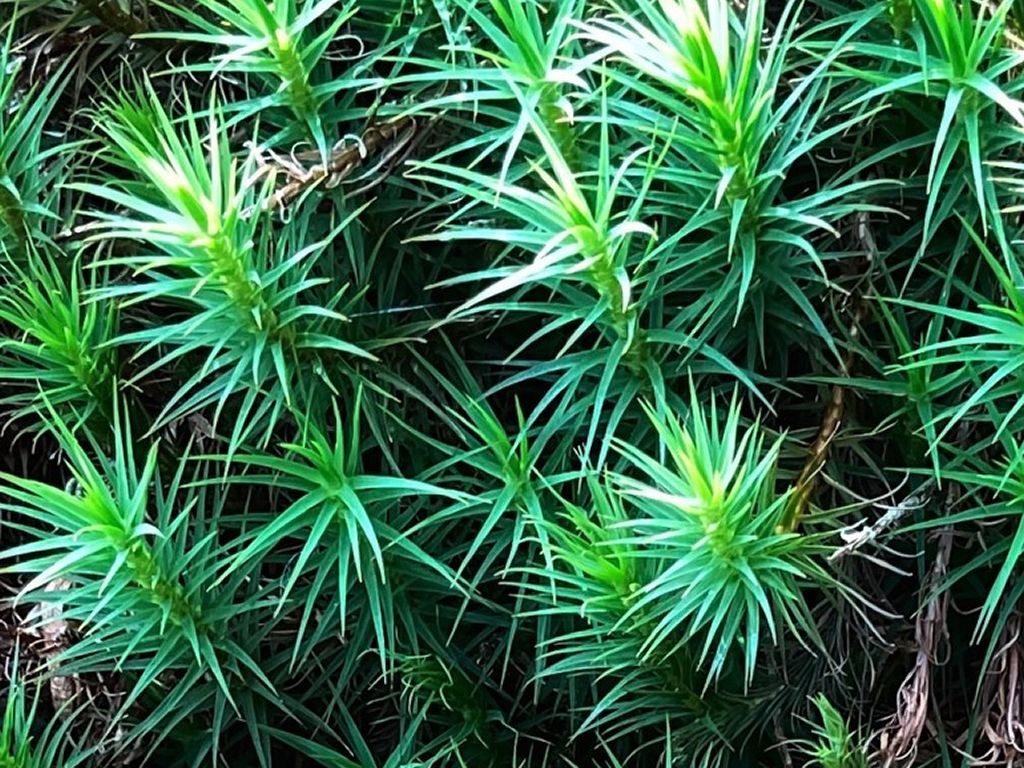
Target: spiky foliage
(26, 741)
(835, 746)
(511, 383)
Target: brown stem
(830, 423)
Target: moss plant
(493, 383)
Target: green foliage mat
(511, 383)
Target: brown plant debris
(51, 635)
(862, 533)
(91, 700)
(386, 143)
(899, 743)
(1002, 699)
